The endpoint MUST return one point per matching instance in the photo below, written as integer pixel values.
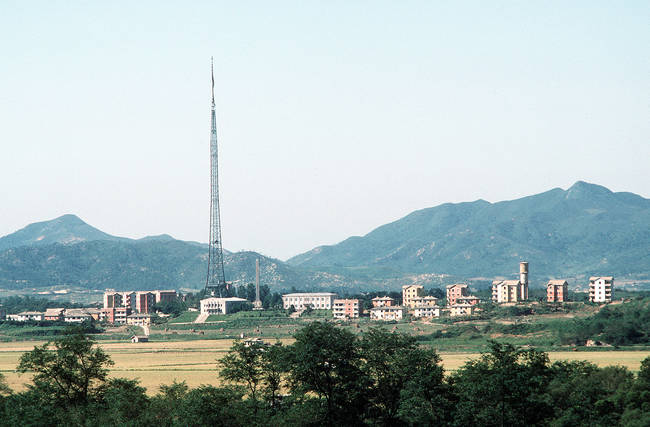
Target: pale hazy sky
(334, 117)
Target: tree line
(329, 376)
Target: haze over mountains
(585, 230)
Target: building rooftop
(605, 278)
(302, 294)
(223, 299)
(556, 282)
(506, 282)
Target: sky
(333, 117)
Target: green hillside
(586, 229)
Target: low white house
(25, 316)
(461, 310)
(76, 315)
(216, 305)
(315, 300)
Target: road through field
(160, 363)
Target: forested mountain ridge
(586, 229)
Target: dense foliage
(329, 376)
(16, 304)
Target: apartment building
(471, 300)
(315, 300)
(387, 313)
(138, 302)
(601, 289)
(456, 291)
(557, 291)
(144, 302)
(115, 315)
(409, 293)
(426, 311)
(504, 291)
(424, 301)
(165, 296)
(383, 302)
(346, 309)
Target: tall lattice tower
(216, 281)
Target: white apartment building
(426, 311)
(601, 289)
(387, 313)
(315, 300)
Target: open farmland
(157, 363)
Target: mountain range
(585, 230)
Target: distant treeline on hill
(329, 376)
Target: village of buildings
(137, 307)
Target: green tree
(243, 365)
(583, 394)
(212, 406)
(122, 402)
(325, 360)
(164, 405)
(504, 387)
(72, 373)
(4, 387)
(407, 382)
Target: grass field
(194, 361)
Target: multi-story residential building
(424, 301)
(315, 300)
(455, 291)
(215, 305)
(115, 315)
(426, 311)
(461, 310)
(165, 296)
(346, 309)
(144, 302)
(53, 314)
(557, 291)
(387, 313)
(383, 302)
(471, 300)
(512, 290)
(601, 289)
(137, 302)
(113, 299)
(410, 292)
